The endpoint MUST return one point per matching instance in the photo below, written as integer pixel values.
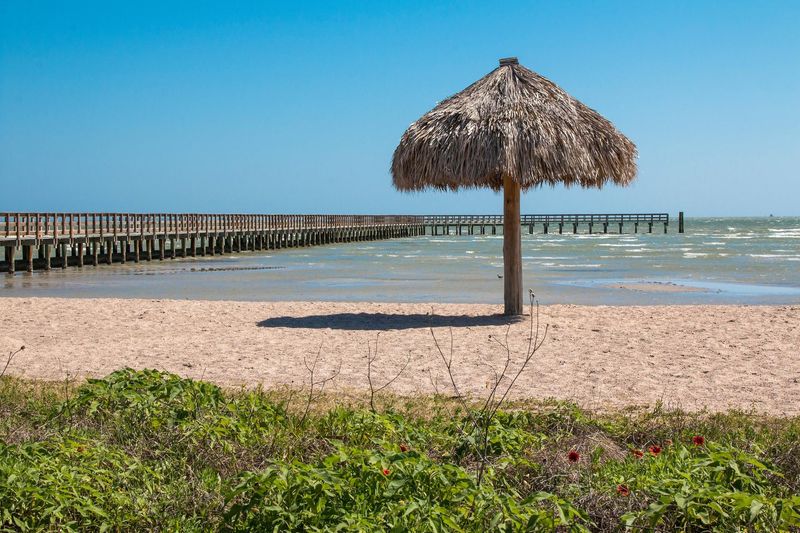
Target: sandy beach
(602, 357)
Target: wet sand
(658, 287)
(602, 357)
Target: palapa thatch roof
(513, 122)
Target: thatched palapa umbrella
(512, 129)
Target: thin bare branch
(10, 358)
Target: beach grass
(146, 450)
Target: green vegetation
(147, 450)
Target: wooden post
(27, 254)
(46, 256)
(95, 253)
(80, 254)
(11, 251)
(512, 248)
(680, 222)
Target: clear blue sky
(297, 106)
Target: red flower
(698, 440)
(637, 453)
(573, 456)
(403, 448)
(655, 449)
(622, 490)
(386, 471)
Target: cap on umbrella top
(512, 122)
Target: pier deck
(44, 240)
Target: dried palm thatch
(515, 123)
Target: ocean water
(717, 260)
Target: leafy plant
(146, 450)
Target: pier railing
(56, 226)
(454, 220)
(37, 226)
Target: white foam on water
(691, 255)
(595, 236)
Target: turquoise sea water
(717, 260)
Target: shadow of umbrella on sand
(385, 321)
(512, 129)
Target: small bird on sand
(500, 276)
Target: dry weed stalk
(10, 358)
(371, 358)
(481, 421)
(321, 383)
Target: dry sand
(693, 357)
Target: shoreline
(690, 356)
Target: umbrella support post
(512, 248)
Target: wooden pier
(44, 240)
(41, 241)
